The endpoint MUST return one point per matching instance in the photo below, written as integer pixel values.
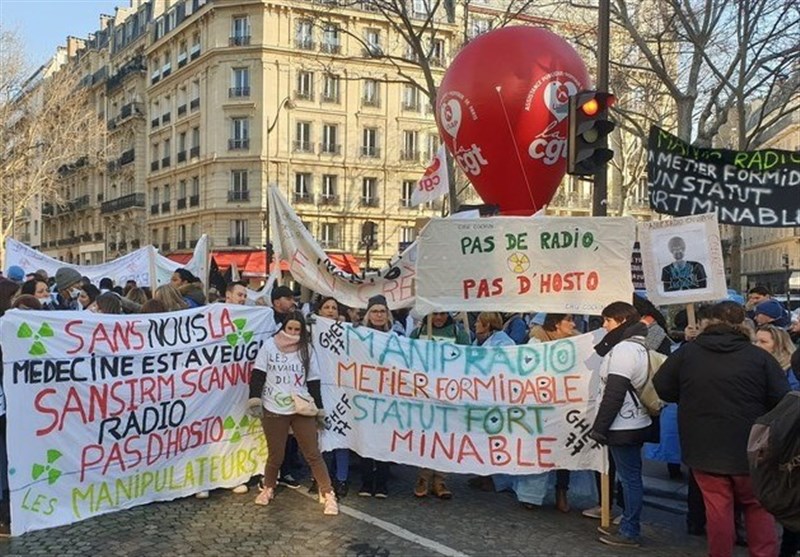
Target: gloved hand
(254, 407)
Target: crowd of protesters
(721, 373)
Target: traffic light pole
(600, 193)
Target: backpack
(647, 395)
(773, 451)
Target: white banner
(137, 265)
(511, 264)
(312, 268)
(682, 260)
(465, 409)
(107, 412)
(434, 182)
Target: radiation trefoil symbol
(246, 336)
(39, 470)
(518, 262)
(37, 348)
(230, 425)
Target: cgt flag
(433, 183)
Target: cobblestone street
(473, 523)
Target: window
(165, 239)
(167, 198)
(331, 42)
(182, 194)
(302, 187)
(182, 147)
(240, 134)
(408, 234)
(166, 153)
(183, 54)
(420, 9)
(194, 198)
(240, 31)
(239, 236)
(371, 93)
(410, 151)
(406, 191)
(240, 83)
(330, 136)
(166, 116)
(437, 53)
(195, 234)
(182, 236)
(239, 190)
(195, 51)
(302, 137)
(329, 189)
(479, 27)
(432, 146)
(329, 235)
(372, 39)
(182, 99)
(166, 69)
(304, 36)
(156, 197)
(194, 104)
(410, 98)
(330, 89)
(305, 85)
(369, 192)
(369, 144)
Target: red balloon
(502, 112)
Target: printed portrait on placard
(680, 273)
(682, 258)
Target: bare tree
(49, 127)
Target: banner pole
(151, 252)
(690, 315)
(605, 493)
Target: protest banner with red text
(107, 412)
(466, 409)
(512, 264)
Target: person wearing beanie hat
(16, 274)
(772, 312)
(283, 303)
(67, 288)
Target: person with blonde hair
(489, 330)
(777, 342)
(170, 297)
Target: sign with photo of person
(682, 260)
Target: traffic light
(270, 253)
(589, 125)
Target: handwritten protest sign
(752, 188)
(682, 260)
(137, 265)
(557, 264)
(467, 409)
(312, 268)
(107, 412)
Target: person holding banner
(285, 370)
(622, 422)
(375, 473)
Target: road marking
(393, 529)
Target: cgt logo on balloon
(550, 144)
(469, 158)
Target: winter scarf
(624, 331)
(287, 343)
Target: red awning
(251, 263)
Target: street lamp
(286, 102)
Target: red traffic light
(590, 107)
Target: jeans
(628, 460)
(719, 494)
(339, 461)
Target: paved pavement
(473, 523)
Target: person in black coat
(722, 383)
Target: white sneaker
(202, 495)
(265, 496)
(240, 489)
(331, 506)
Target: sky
(43, 25)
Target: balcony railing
(127, 157)
(165, 162)
(81, 202)
(329, 244)
(235, 144)
(304, 43)
(303, 94)
(370, 201)
(182, 60)
(165, 246)
(166, 118)
(181, 156)
(181, 110)
(411, 105)
(302, 146)
(371, 101)
(98, 236)
(238, 241)
(194, 152)
(181, 203)
(243, 195)
(181, 244)
(239, 92)
(194, 200)
(154, 209)
(328, 199)
(409, 155)
(331, 48)
(194, 104)
(124, 202)
(331, 148)
(155, 122)
(165, 206)
(195, 54)
(332, 98)
(370, 151)
(303, 198)
(239, 40)
(153, 166)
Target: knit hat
(771, 308)
(377, 300)
(16, 274)
(281, 292)
(66, 277)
